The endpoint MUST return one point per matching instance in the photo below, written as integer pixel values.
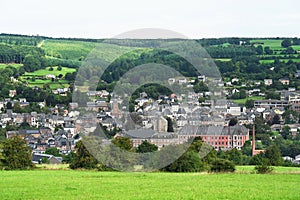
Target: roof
(140, 133)
(213, 130)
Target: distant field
(223, 59)
(74, 50)
(68, 184)
(67, 49)
(243, 101)
(3, 65)
(44, 72)
(281, 60)
(272, 43)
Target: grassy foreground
(68, 184)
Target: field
(68, 184)
(44, 72)
(78, 50)
(296, 60)
(243, 101)
(272, 43)
(39, 74)
(3, 65)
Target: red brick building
(219, 137)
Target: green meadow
(243, 101)
(272, 43)
(40, 77)
(79, 50)
(296, 60)
(3, 65)
(68, 184)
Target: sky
(192, 18)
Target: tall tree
(16, 154)
(83, 158)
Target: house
(234, 80)
(271, 103)
(12, 93)
(160, 124)
(50, 76)
(38, 158)
(297, 74)
(284, 81)
(182, 81)
(268, 82)
(297, 159)
(202, 78)
(171, 81)
(234, 110)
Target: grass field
(74, 50)
(297, 60)
(243, 101)
(68, 184)
(44, 72)
(272, 43)
(3, 65)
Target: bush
(222, 165)
(263, 169)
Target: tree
(9, 105)
(285, 132)
(233, 122)
(249, 103)
(146, 147)
(259, 50)
(222, 165)
(274, 155)
(268, 50)
(123, 143)
(83, 158)
(286, 43)
(52, 151)
(290, 50)
(59, 68)
(170, 125)
(189, 162)
(16, 154)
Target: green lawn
(281, 60)
(44, 72)
(243, 101)
(3, 65)
(272, 43)
(68, 184)
(223, 59)
(74, 50)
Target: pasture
(274, 44)
(40, 77)
(44, 72)
(79, 50)
(3, 65)
(68, 184)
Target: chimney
(253, 140)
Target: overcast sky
(193, 18)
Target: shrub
(264, 167)
(222, 165)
